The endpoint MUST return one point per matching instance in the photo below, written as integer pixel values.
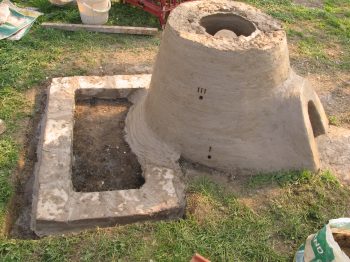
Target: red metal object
(159, 8)
(199, 258)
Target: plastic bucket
(94, 12)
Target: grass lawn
(264, 218)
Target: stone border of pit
(57, 208)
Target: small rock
(2, 126)
(225, 33)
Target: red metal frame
(159, 8)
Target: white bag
(321, 247)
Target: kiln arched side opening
(315, 119)
(235, 23)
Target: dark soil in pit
(102, 159)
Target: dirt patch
(203, 209)
(334, 92)
(20, 206)
(106, 62)
(310, 3)
(334, 150)
(102, 159)
(235, 182)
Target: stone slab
(57, 208)
(334, 148)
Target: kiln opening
(235, 23)
(315, 119)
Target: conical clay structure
(223, 94)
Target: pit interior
(235, 23)
(102, 159)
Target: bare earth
(310, 3)
(102, 159)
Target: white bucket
(94, 12)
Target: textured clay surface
(227, 102)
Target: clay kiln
(223, 93)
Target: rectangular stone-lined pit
(57, 207)
(103, 160)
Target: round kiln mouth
(235, 23)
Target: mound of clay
(226, 102)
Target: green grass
(44, 54)
(13, 108)
(25, 64)
(304, 201)
(280, 178)
(315, 31)
(286, 178)
(333, 120)
(218, 224)
(8, 159)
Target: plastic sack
(323, 247)
(19, 21)
(4, 12)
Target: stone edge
(56, 205)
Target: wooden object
(104, 28)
